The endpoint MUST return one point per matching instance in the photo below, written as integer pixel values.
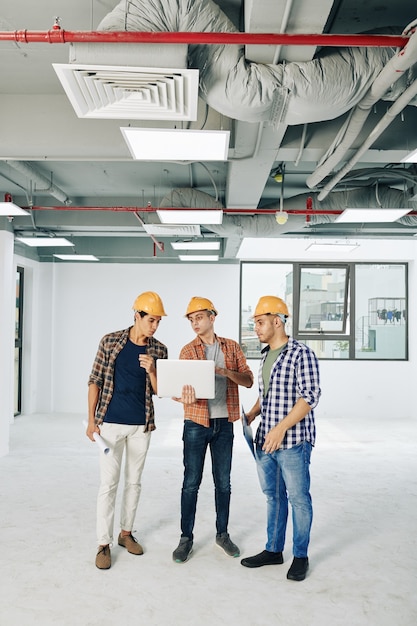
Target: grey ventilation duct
(294, 93)
(262, 225)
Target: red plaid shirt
(234, 360)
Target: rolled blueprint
(99, 441)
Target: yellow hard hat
(150, 303)
(272, 305)
(200, 304)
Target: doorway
(18, 343)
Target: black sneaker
(263, 558)
(298, 569)
(223, 541)
(183, 551)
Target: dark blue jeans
(196, 438)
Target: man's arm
(93, 396)
(254, 412)
(240, 378)
(242, 375)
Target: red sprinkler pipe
(59, 35)
(127, 209)
(147, 209)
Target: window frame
(349, 305)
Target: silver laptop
(173, 374)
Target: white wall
(7, 333)
(69, 307)
(91, 300)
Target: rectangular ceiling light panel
(9, 209)
(76, 257)
(353, 216)
(176, 144)
(190, 216)
(139, 93)
(410, 158)
(45, 242)
(332, 247)
(196, 245)
(172, 230)
(198, 257)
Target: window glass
(340, 310)
(381, 312)
(323, 302)
(261, 279)
(329, 348)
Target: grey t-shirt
(217, 407)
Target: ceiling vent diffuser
(141, 93)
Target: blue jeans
(285, 476)
(196, 438)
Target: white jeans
(135, 442)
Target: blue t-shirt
(127, 405)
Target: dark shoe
(223, 541)
(130, 543)
(298, 569)
(183, 551)
(103, 558)
(263, 558)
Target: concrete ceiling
(44, 146)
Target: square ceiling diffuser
(130, 92)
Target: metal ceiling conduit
(402, 61)
(386, 120)
(47, 186)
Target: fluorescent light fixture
(45, 242)
(173, 230)
(196, 245)
(176, 144)
(371, 215)
(198, 257)
(9, 209)
(411, 157)
(76, 257)
(190, 216)
(332, 247)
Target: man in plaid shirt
(120, 408)
(289, 390)
(210, 423)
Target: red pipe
(58, 35)
(125, 209)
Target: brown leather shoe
(130, 543)
(103, 558)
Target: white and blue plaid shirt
(294, 375)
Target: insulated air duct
(295, 93)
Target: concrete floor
(363, 556)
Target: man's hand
(221, 371)
(187, 396)
(148, 362)
(273, 439)
(91, 429)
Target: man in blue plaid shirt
(289, 390)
